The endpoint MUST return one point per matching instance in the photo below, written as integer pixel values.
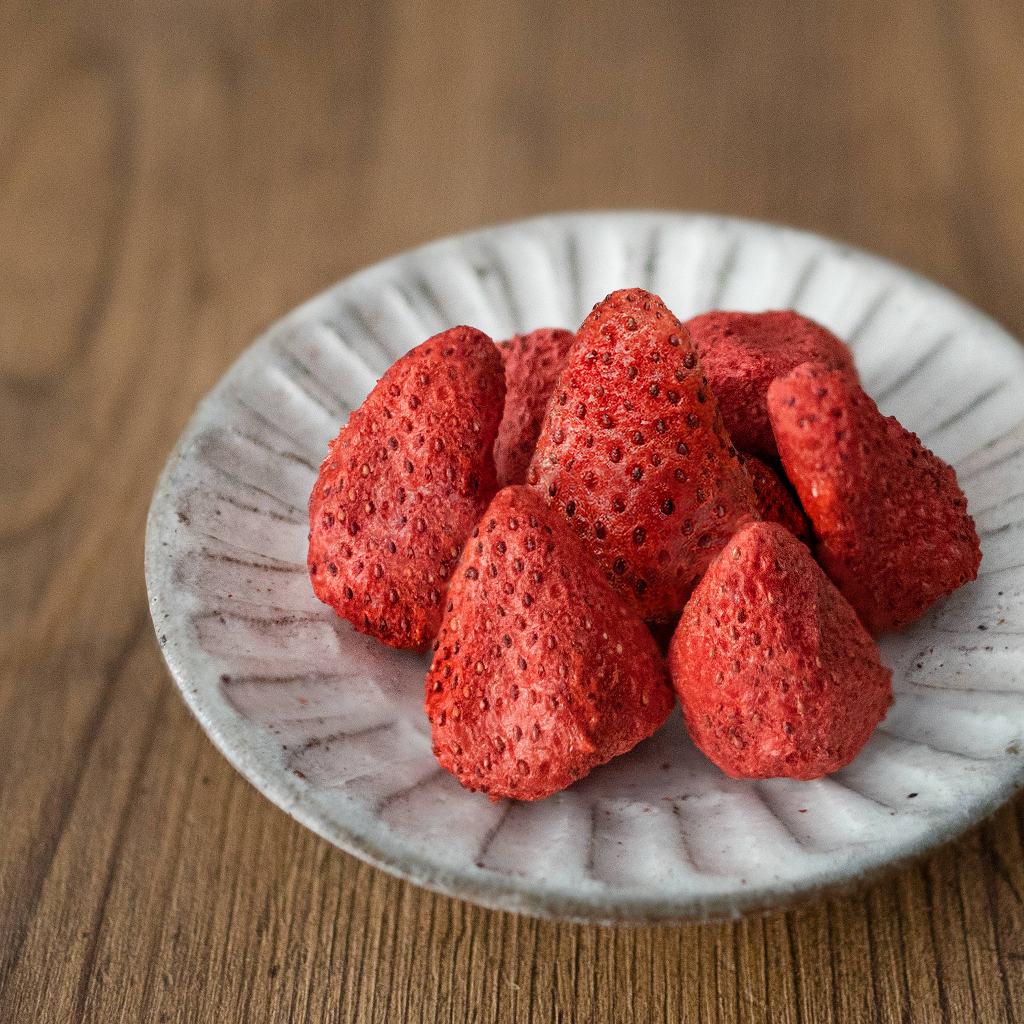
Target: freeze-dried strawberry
(743, 353)
(403, 484)
(532, 364)
(634, 455)
(775, 674)
(890, 520)
(775, 501)
(540, 671)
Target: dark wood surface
(174, 177)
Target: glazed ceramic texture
(329, 724)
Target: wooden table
(175, 176)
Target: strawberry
(402, 485)
(775, 674)
(540, 671)
(775, 501)
(532, 364)
(634, 455)
(890, 519)
(743, 353)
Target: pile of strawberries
(540, 510)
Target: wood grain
(172, 179)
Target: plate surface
(329, 724)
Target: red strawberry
(540, 671)
(532, 364)
(775, 501)
(775, 674)
(891, 522)
(743, 353)
(402, 486)
(634, 454)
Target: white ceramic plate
(329, 724)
